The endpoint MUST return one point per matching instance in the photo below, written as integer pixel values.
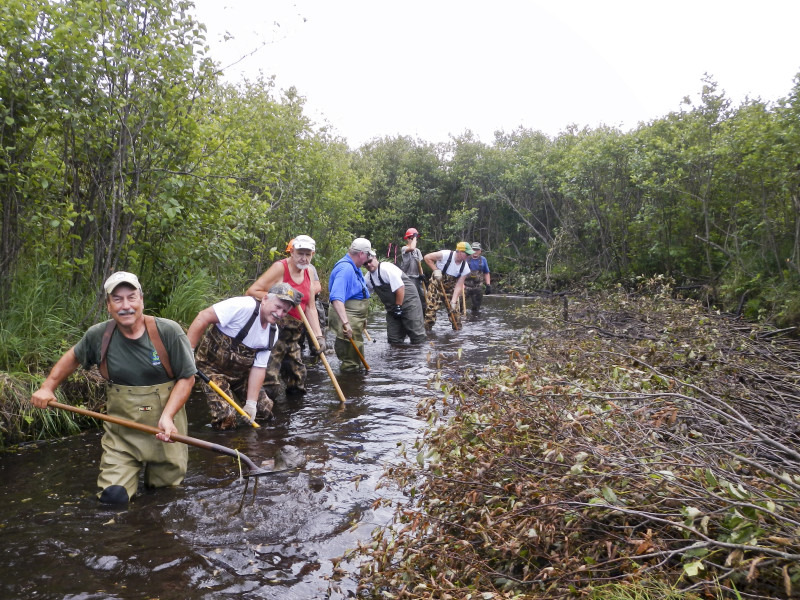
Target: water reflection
(213, 537)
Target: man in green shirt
(150, 369)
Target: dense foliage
(121, 148)
(628, 439)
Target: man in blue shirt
(349, 300)
(478, 277)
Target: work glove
(250, 408)
(322, 345)
(488, 289)
(437, 274)
(454, 306)
(397, 311)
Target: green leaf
(692, 569)
(609, 495)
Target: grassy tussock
(639, 440)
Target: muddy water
(216, 536)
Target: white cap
(361, 245)
(304, 242)
(121, 277)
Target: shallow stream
(215, 536)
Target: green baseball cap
(464, 247)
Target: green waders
(357, 312)
(126, 451)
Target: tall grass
(37, 325)
(189, 297)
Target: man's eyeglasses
(368, 261)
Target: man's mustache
(124, 312)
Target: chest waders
(411, 324)
(286, 360)
(127, 451)
(357, 311)
(436, 299)
(227, 362)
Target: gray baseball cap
(361, 245)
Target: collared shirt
(346, 281)
(478, 264)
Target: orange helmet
(410, 232)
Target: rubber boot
(114, 494)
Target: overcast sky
(434, 68)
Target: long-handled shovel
(227, 398)
(255, 471)
(314, 341)
(450, 313)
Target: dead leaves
(587, 458)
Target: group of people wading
(249, 346)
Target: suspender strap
(273, 330)
(447, 265)
(110, 327)
(244, 330)
(359, 277)
(155, 339)
(378, 271)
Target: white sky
(434, 68)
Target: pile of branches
(641, 439)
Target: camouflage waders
(286, 360)
(228, 365)
(435, 300)
(127, 451)
(473, 288)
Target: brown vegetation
(642, 438)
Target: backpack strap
(155, 339)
